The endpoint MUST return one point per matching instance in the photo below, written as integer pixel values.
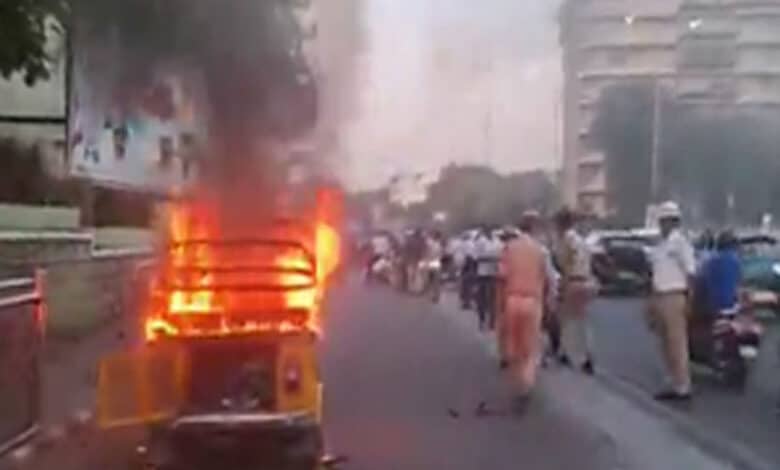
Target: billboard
(141, 135)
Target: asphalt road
(626, 350)
(403, 382)
(396, 369)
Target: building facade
(35, 115)
(724, 53)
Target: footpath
(69, 381)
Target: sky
(442, 81)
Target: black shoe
(563, 360)
(587, 367)
(503, 364)
(673, 396)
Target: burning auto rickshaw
(227, 375)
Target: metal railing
(22, 312)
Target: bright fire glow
(204, 307)
(195, 301)
(298, 298)
(328, 251)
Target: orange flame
(202, 308)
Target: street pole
(488, 137)
(655, 157)
(488, 130)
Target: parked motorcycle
(727, 345)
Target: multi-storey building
(723, 53)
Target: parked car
(621, 261)
(760, 258)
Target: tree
(25, 27)
(720, 163)
(473, 195)
(250, 52)
(623, 130)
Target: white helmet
(669, 210)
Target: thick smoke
(247, 56)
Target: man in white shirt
(487, 251)
(674, 266)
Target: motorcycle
(727, 345)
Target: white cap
(669, 210)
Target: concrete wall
(123, 237)
(23, 217)
(85, 288)
(84, 294)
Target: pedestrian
(467, 263)
(525, 274)
(578, 287)
(674, 266)
(550, 321)
(487, 251)
(415, 246)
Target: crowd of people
(535, 279)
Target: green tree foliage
(254, 46)
(473, 195)
(623, 129)
(721, 164)
(25, 27)
(470, 195)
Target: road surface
(626, 351)
(403, 382)
(397, 370)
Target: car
(760, 259)
(621, 262)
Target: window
(617, 57)
(166, 152)
(187, 145)
(120, 142)
(707, 53)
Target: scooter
(727, 345)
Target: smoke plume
(246, 55)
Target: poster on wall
(140, 136)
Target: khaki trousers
(576, 336)
(668, 318)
